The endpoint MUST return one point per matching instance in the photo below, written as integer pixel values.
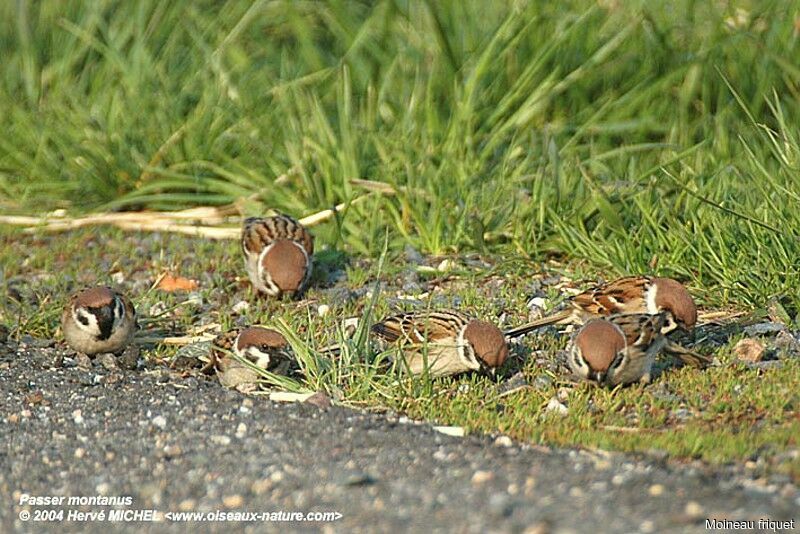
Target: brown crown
(672, 296)
(95, 297)
(488, 342)
(599, 342)
(286, 264)
(255, 336)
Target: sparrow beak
(598, 376)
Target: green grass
(614, 137)
(728, 413)
(637, 136)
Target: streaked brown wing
(639, 328)
(257, 233)
(420, 327)
(624, 295)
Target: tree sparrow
(98, 320)
(622, 348)
(449, 342)
(262, 347)
(633, 294)
(277, 252)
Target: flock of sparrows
(622, 325)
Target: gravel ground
(185, 444)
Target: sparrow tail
(538, 323)
(687, 356)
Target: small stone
(118, 278)
(500, 505)
(220, 440)
(108, 361)
(129, 359)
(77, 417)
(323, 310)
(749, 350)
(157, 309)
(320, 400)
(445, 265)
(241, 307)
(763, 329)
(172, 451)
(187, 505)
(503, 441)
(83, 361)
(554, 406)
(104, 488)
(80, 453)
(655, 490)
(537, 528)
(693, 509)
(412, 255)
(241, 430)
(160, 421)
(542, 382)
(233, 501)
(481, 477)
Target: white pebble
(445, 265)
(241, 307)
(553, 405)
(160, 421)
(241, 430)
(77, 416)
(323, 310)
(118, 278)
(220, 440)
(537, 303)
(503, 441)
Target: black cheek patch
(83, 320)
(105, 322)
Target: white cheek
(578, 364)
(82, 317)
(257, 357)
(650, 300)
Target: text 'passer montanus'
(277, 252)
(98, 320)
(262, 347)
(449, 342)
(621, 349)
(633, 294)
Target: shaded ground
(178, 444)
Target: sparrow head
(487, 341)
(98, 311)
(286, 264)
(672, 296)
(256, 344)
(596, 349)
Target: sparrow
(261, 347)
(622, 348)
(277, 253)
(447, 342)
(98, 320)
(632, 294)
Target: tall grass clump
(639, 136)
